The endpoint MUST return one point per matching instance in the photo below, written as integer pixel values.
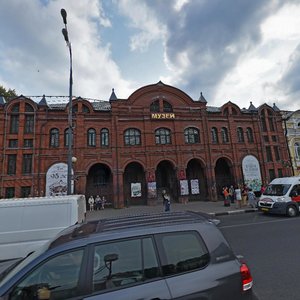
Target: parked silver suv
(180, 255)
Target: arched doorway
(99, 182)
(135, 192)
(223, 175)
(197, 181)
(166, 179)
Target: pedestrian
(231, 194)
(103, 200)
(166, 200)
(262, 189)
(226, 196)
(91, 202)
(98, 202)
(252, 201)
(238, 197)
(244, 195)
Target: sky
(235, 50)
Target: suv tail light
(247, 280)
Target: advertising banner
(251, 172)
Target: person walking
(244, 195)
(103, 200)
(98, 202)
(238, 197)
(231, 194)
(91, 202)
(166, 200)
(252, 201)
(226, 196)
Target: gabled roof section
(43, 101)
(113, 96)
(144, 96)
(252, 108)
(2, 100)
(275, 107)
(202, 99)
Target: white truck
(282, 196)
(28, 223)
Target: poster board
(195, 186)
(251, 172)
(136, 189)
(184, 187)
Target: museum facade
(129, 150)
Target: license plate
(264, 209)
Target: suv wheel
(291, 211)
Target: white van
(282, 196)
(28, 223)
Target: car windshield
(277, 189)
(9, 272)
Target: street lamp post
(66, 36)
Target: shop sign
(162, 116)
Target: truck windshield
(277, 189)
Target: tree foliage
(7, 93)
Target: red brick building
(128, 150)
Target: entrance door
(166, 179)
(134, 185)
(197, 181)
(99, 182)
(223, 175)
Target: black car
(180, 255)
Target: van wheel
(291, 211)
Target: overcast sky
(233, 50)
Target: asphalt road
(271, 247)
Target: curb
(234, 212)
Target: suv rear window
(181, 252)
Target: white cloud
(143, 19)
(255, 77)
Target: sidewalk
(212, 208)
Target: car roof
(130, 223)
(286, 180)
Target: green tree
(7, 93)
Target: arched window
(132, 137)
(154, 107)
(167, 107)
(226, 111)
(66, 140)
(54, 138)
(85, 109)
(271, 121)
(249, 133)
(240, 135)
(224, 134)
(91, 137)
(104, 137)
(191, 135)
(162, 136)
(75, 109)
(29, 119)
(14, 119)
(263, 121)
(214, 135)
(297, 151)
